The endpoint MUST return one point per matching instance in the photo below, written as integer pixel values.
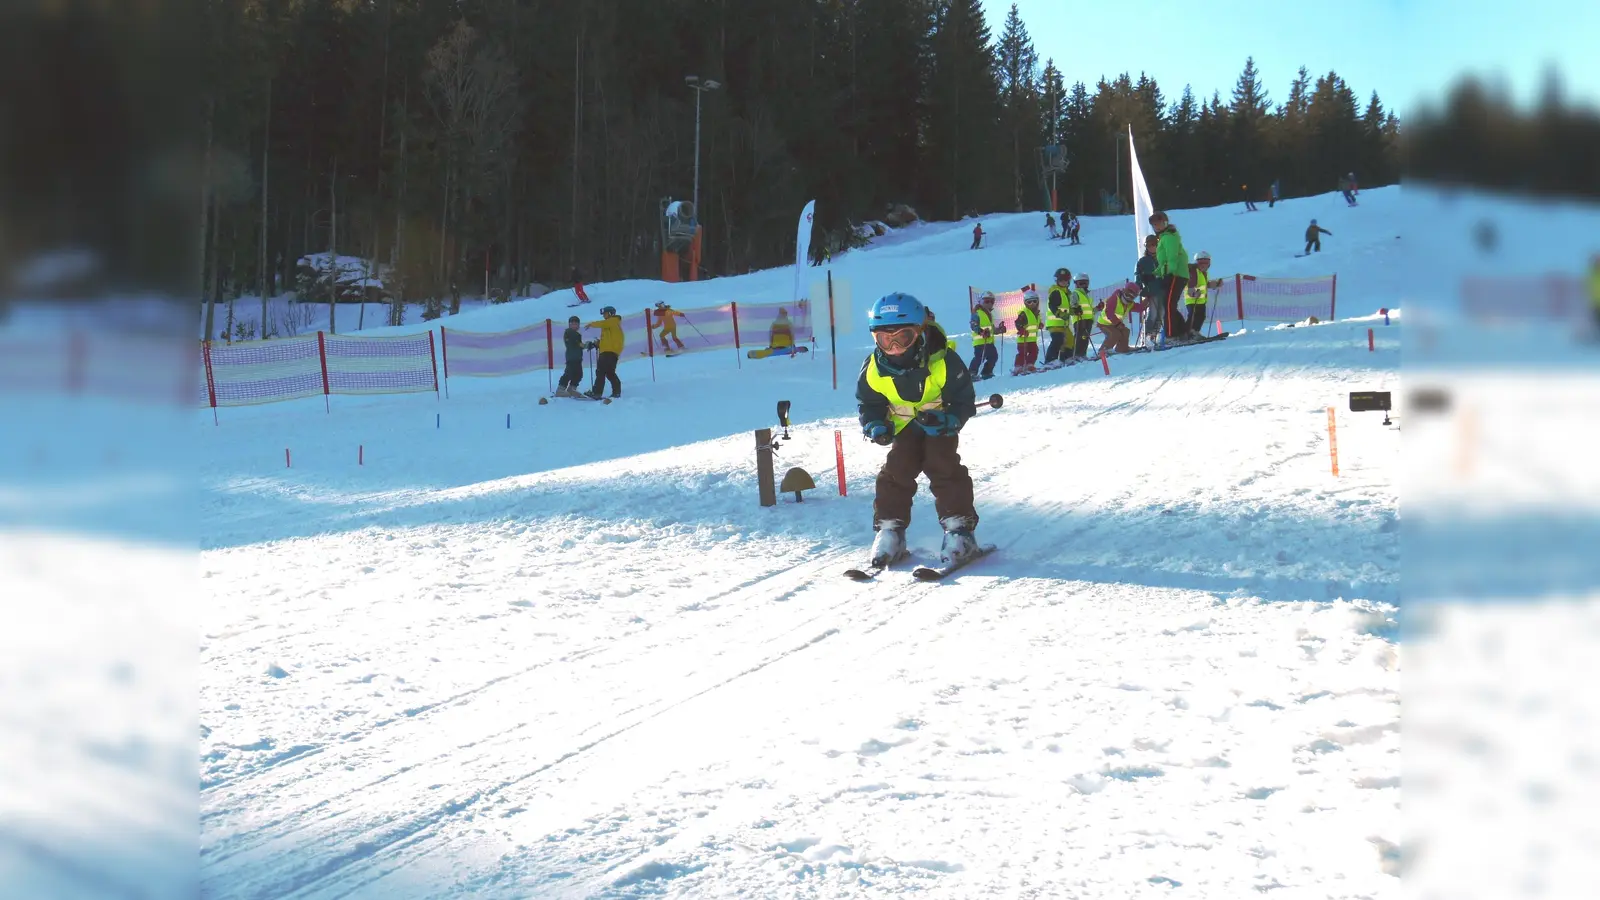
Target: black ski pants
(1315, 243)
(1197, 319)
(912, 453)
(1081, 330)
(1172, 288)
(572, 375)
(606, 370)
(986, 355)
(1053, 352)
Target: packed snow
(560, 650)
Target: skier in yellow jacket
(610, 347)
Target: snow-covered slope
(574, 657)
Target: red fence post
(434, 357)
(550, 353)
(736, 358)
(1238, 291)
(650, 343)
(322, 354)
(1333, 297)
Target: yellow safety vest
(1594, 287)
(1054, 321)
(1033, 327)
(1201, 288)
(1085, 304)
(1122, 310)
(901, 410)
(984, 321)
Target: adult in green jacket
(1172, 268)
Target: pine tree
(962, 111)
(1248, 113)
(1017, 64)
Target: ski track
(571, 676)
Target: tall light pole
(699, 87)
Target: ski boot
(890, 544)
(958, 540)
(593, 394)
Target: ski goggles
(896, 340)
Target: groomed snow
(574, 657)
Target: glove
(879, 434)
(939, 423)
(589, 345)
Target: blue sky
(1406, 51)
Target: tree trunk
(333, 248)
(266, 144)
(205, 206)
(397, 316)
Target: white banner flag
(1142, 207)
(802, 248)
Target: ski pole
(696, 330)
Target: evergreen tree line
(1479, 137)
(530, 138)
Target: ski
(871, 571)
(935, 573)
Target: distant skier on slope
(1314, 233)
(577, 286)
(668, 317)
(913, 396)
(1050, 223)
(984, 328)
(610, 347)
(1071, 229)
(977, 236)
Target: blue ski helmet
(896, 309)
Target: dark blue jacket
(910, 376)
(574, 342)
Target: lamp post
(699, 87)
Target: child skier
(1145, 273)
(977, 236)
(913, 397)
(1050, 223)
(1083, 317)
(572, 375)
(1027, 333)
(610, 347)
(1058, 319)
(984, 328)
(1112, 317)
(1198, 293)
(1314, 234)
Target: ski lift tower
(680, 240)
(1052, 162)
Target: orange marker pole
(838, 449)
(1333, 442)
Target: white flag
(802, 247)
(1142, 207)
